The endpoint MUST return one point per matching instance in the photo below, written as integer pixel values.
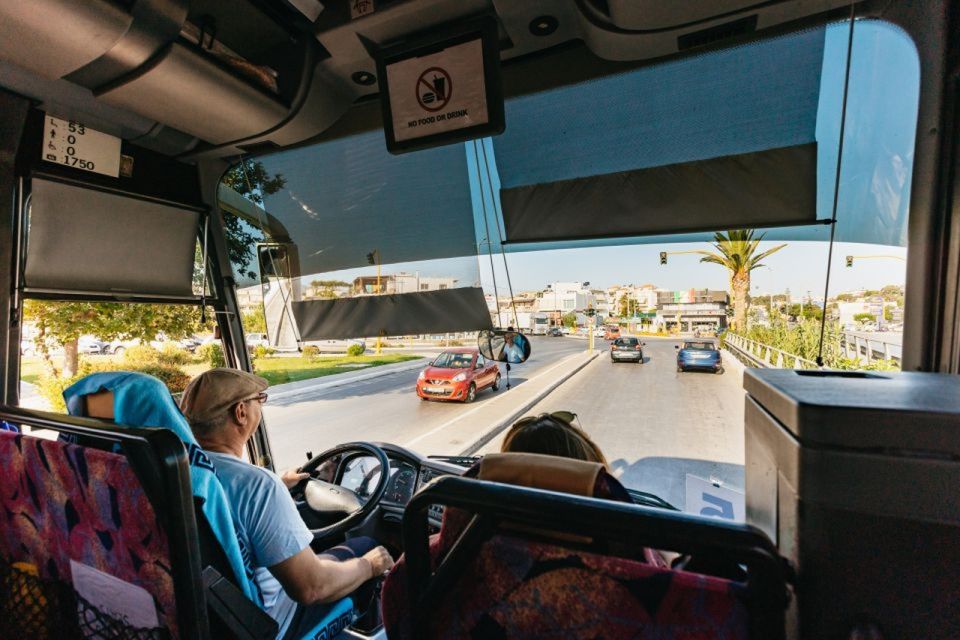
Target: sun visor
(449, 310)
(668, 148)
(83, 240)
(766, 188)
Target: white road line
(486, 404)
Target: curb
(377, 372)
(498, 428)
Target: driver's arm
(309, 579)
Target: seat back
(131, 398)
(522, 562)
(96, 542)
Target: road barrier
(764, 356)
(858, 347)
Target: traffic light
(591, 312)
(849, 261)
(663, 257)
(371, 258)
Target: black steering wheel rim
(358, 516)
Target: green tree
(569, 320)
(251, 180)
(864, 317)
(62, 323)
(737, 252)
(888, 313)
(254, 321)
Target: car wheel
(720, 371)
(496, 383)
(679, 369)
(471, 393)
(119, 351)
(424, 398)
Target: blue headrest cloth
(140, 400)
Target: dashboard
(408, 472)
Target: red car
(457, 374)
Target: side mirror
(503, 346)
(643, 344)
(676, 346)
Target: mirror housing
(501, 345)
(676, 346)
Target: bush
(355, 350)
(139, 355)
(173, 355)
(51, 387)
(261, 351)
(212, 354)
(310, 351)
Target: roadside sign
(706, 498)
(73, 144)
(442, 90)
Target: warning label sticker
(440, 92)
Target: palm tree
(737, 251)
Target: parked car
(88, 345)
(458, 374)
(627, 350)
(599, 332)
(257, 340)
(700, 355)
(333, 346)
(555, 332)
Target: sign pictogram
(434, 88)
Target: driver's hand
(291, 478)
(380, 561)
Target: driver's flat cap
(211, 393)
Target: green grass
(31, 369)
(293, 369)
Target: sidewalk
(339, 379)
(469, 431)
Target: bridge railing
(763, 355)
(860, 347)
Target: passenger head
(552, 434)
(223, 406)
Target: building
(400, 283)
(561, 298)
(692, 309)
(848, 311)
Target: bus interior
(403, 177)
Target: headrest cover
(537, 471)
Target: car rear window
(626, 342)
(705, 346)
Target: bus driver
(223, 407)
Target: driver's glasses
(262, 397)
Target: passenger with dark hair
(552, 434)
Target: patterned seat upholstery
(525, 583)
(61, 502)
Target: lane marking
(462, 416)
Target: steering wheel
(330, 498)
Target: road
(656, 425)
(382, 409)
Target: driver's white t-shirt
(268, 525)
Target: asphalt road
(382, 409)
(656, 425)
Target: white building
(560, 298)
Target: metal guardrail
(763, 355)
(858, 347)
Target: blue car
(699, 355)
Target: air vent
(715, 34)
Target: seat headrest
(537, 471)
(99, 405)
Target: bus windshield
(496, 216)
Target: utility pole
(374, 258)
